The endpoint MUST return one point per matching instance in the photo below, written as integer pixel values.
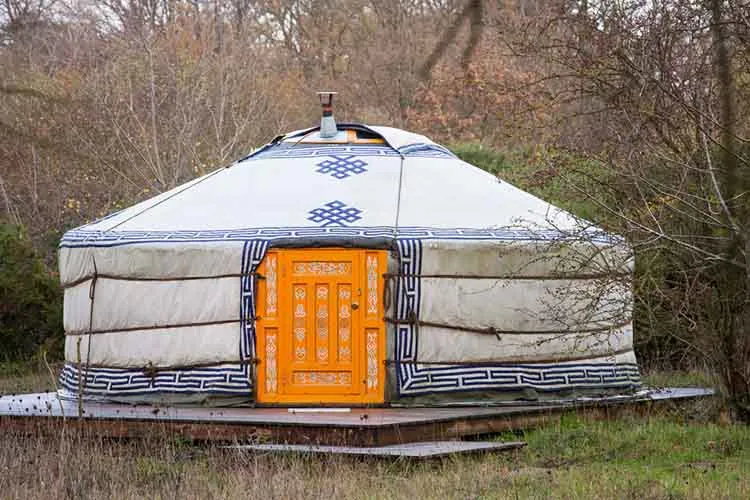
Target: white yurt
(345, 265)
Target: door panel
(322, 339)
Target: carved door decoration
(321, 334)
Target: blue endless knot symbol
(334, 213)
(341, 167)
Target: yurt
(348, 265)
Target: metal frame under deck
(44, 412)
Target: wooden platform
(44, 412)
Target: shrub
(30, 299)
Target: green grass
(680, 452)
(660, 457)
(663, 442)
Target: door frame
(271, 325)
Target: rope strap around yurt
(87, 277)
(494, 331)
(82, 383)
(549, 277)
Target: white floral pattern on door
(300, 328)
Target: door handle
(355, 307)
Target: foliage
(38, 374)
(30, 299)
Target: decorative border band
(90, 238)
(223, 379)
(413, 380)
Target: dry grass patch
(71, 466)
(653, 459)
(27, 376)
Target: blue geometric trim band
(81, 237)
(223, 379)
(252, 255)
(416, 380)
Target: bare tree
(649, 87)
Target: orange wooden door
(321, 335)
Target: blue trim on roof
(82, 237)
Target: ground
(682, 452)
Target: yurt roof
(366, 182)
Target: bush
(30, 300)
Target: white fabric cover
(398, 138)
(155, 260)
(451, 346)
(526, 258)
(265, 193)
(120, 304)
(525, 305)
(454, 194)
(161, 348)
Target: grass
(17, 377)
(693, 378)
(671, 454)
(657, 458)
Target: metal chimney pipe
(327, 123)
